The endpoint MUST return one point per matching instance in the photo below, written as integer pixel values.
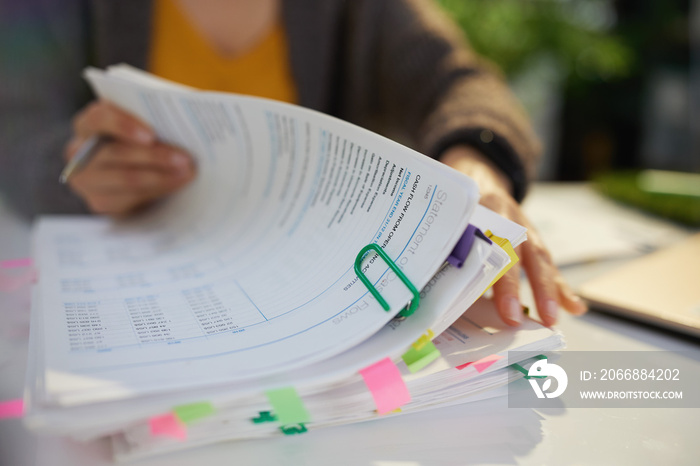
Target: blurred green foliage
(575, 33)
(625, 187)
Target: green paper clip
(413, 305)
(264, 416)
(291, 430)
(525, 372)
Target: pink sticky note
(11, 408)
(462, 366)
(484, 363)
(168, 425)
(386, 385)
(14, 282)
(14, 263)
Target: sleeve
(431, 84)
(42, 54)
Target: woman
(397, 67)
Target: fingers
(158, 156)
(129, 171)
(144, 181)
(548, 286)
(122, 190)
(101, 117)
(505, 297)
(541, 275)
(568, 299)
(124, 177)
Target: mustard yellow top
(180, 53)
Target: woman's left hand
(548, 286)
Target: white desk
(484, 432)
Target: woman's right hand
(130, 171)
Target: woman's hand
(132, 169)
(548, 287)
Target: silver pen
(85, 153)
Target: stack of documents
(237, 308)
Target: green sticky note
(194, 411)
(287, 406)
(417, 359)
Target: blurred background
(612, 87)
(610, 84)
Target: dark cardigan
(398, 67)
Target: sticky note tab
(508, 248)
(287, 406)
(464, 366)
(484, 363)
(14, 282)
(168, 425)
(193, 411)
(11, 408)
(417, 359)
(423, 340)
(15, 263)
(386, 385)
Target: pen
(86, 152)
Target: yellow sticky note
(426, 338)
(508, 248)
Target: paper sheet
(249, 270)
(443, 300)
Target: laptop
(661, 288)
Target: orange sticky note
(11, 409)
(386, 385)
(168, 425)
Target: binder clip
(412, 306)
(525, 372)
(292, 430)
(264, 416)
